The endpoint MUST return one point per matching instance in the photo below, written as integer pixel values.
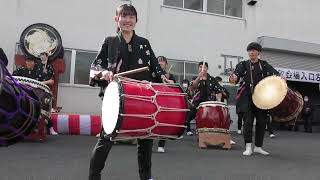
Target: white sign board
(300, 75)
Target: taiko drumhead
(270, 92)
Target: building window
(186, 4)
(215, 6)
(175, 3)
(221, 7)
(65, 77)
(78, 64)
(191, 69)
(194, 4)
(234, 8)
(82, 67)
(229, 63)
(182, 69)
(176, 68)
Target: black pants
(261, 120)
(101, 152)
(269, 126)
(161, 143)
(308, 123)
(49, 124)
(240, 119)
(192, 115)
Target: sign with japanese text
(300, 75)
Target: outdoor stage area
(294, 156)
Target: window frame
(184, 65)
(205, 11)
(73, 68)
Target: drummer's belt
(213, 130)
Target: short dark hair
(218, 78)
(162, 58)
(31, 58)
(185, 81)
(44, 53)
(201, 63)
(127, 10)
(254, 46)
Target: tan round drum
(273, 94)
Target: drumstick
(204, 61)
(170, 68)
(134, 71)
(231, 67)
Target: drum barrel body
(214, 116)
(150, 111)
(273, 94)
(19, 110)
(289, 108)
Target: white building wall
(177, 34)
(188, 35)
(287, 19)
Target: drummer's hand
(166, 80)
(97, 76)
(284, 78)
(107, 75)
(201, 74)
(233, 78)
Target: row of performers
(127, 51)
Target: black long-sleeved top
(206, 90)
(259, 71)
(38, 73)
(117, 55)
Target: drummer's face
(162, 63)
(205, 69)
(43, 57)
(253, 54)
(29, 64)
(126, 23)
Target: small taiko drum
(134, 109)
(273, 94)
(213, 116)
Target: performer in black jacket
(125, 51)
(163, 61)
(253, 71)
(206, 88)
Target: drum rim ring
(25, 80)
(212, 104)
(114, 133)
